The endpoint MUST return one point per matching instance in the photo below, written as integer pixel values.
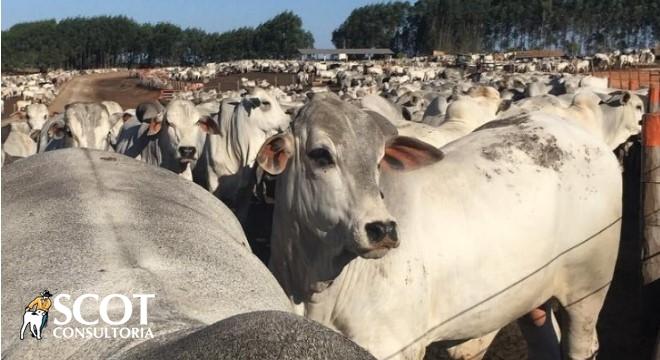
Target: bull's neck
(304, 260)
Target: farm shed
(342, 54)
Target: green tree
(281, 37)
(373, 26)
(102, 41)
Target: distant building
(344, 54)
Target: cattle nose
(187, 152)
(378, 231)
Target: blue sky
(319, 16)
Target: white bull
(37, 115)
(178, 138)
(85, 125)
(244, 125)
(130, 228)
(612, 117)
(463, 116)
(17, 143)
(514, 214)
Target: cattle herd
(409, 203)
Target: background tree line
(455, 26)
(112, 41)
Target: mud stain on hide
(543, 151)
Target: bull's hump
(111, 219)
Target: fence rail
(631, 79)
(167, 94)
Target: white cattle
(622, 117)
(85, 125)
(612, 118)
(534, 103)
(397, 260)
(594, 82)
(104, 224)
(538, 87)
(601, 61)
(17, 143)
(413, 104)
(564, 66)
(244, 125)
(36, 115)
(114, 110)
(624, 60)
(435, 113)
(582, 66)
(22, 104)
(647, 57)
(46, 141)
(178, 138)
(463, 116)
(391, 112)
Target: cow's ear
(627, 95)
(618, 98)
(56, 130)
(209, 125)
(504, 106)
(154, 127)
(403, 153)
(34, 135)
(275, 153)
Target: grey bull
(103, 223)
(397, 244)
(266, 335)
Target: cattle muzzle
(382, 234)
(187, 153)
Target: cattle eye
(321, 157)
(267, 103)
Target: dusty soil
(99, 87)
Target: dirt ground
(115, 86)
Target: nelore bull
(80, 221)
(397, 244)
